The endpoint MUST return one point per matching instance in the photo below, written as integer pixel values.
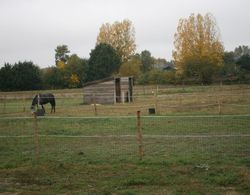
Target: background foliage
(198, 50)
(198, 58)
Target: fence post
(156, 102)
(242, 93)
(180, 99)
(4, 104)
(95, 109)
(36, 138)
(24, 103)
(219, 106)
(139, 135)
(94, 101)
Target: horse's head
(34, 102)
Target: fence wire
(165, 104)
(115, 139)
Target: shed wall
(102, 93)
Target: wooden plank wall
(125, 88)
(102, 93)
(124, 84)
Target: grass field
(187, 150)
(170, 100)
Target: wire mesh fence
(164, 104)
(203, 134)
(203, 121)
(192, 139)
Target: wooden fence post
(219, 106)
(93, 103)
(180, 100)
(36, 138)
(144, 91)
(139, 135)
(95, 107)
(156, 101)
(24, 109)
(4, 104)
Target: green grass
(203, 154)
(108, 162)
(171, 100)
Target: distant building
(109, 91)
(165, 67)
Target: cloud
(31, 29)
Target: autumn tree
(120, 35)
(74, 81)
(131, 67)
(61, 56)
(198, 50)
(76, 71)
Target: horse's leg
(52, 108)
(43, 108)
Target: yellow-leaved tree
(74, 81)
(198, 50)
(60, 64)
(121, 36)
(131, 67)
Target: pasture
(197, 143)
(168, 100)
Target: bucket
(151, 110)
(40, 112)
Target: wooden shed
(109, 91)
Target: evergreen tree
(104, 61)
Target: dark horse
(41, 99)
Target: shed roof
(103, 80)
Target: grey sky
(31, 29)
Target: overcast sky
(31, 29)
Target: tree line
(198, 58)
